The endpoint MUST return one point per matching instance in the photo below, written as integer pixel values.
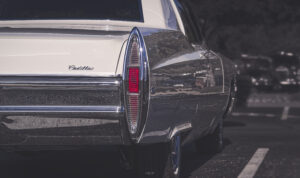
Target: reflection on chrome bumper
(34, 122)
(62, 109)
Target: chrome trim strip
(144, 85)
(87, 86)
(223, 72)
(180, 128)
(60, 75)
(122, 48)
(56, 83)
(59, 83)
(62, 109)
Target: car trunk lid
(60, 52)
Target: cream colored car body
(50, 54)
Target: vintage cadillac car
(125, 73)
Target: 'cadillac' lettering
(73, 67)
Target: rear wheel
(159, 160)
(212, 143)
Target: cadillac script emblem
(74, 67)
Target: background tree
(233, 27)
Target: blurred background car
(278, 72)
(260, 71)
(286, 66)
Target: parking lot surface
(247, 131)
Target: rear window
(124, 10)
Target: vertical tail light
(135, 82)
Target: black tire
(157, 161)
(212, 143)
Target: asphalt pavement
(258, 143)
(247, 131)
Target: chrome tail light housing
(136, 83)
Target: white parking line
(254, 163)
(285, 113)
(252, 114)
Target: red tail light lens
(133, 80)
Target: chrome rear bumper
(62, 111)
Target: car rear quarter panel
(178, 102)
